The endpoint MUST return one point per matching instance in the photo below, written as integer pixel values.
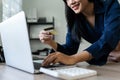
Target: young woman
(98, 22)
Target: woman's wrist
(53, 44)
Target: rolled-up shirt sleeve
(110, 37)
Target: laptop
(16, 44)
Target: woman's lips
(75, 7)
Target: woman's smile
(75, 6)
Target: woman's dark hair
(70, 18)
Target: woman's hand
(58, 57)
(46, 37)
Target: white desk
(107, 72)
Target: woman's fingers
(50, 59)
(55, 61)
(45, 36)
(58, 57)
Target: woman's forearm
(82, 56)
(53, 44)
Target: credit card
(51, 30)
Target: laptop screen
(15, 42)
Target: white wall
(49, 9)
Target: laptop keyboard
(37, 65)
(38, 61)
(37, 58)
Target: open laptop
(16, 44)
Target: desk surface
(110, 71)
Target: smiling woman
(98, 22)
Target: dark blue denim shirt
(104, 36)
